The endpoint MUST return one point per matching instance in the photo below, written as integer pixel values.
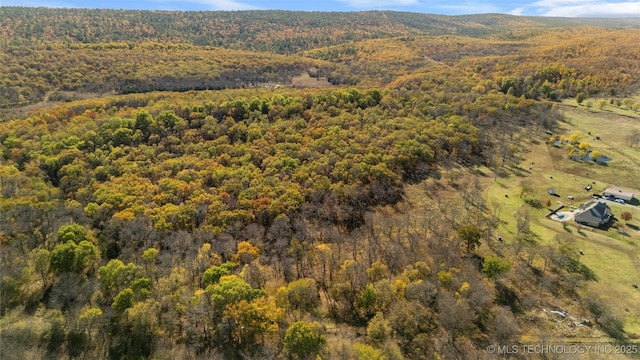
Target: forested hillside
(273, 31)
(48, 52)
(204, 207)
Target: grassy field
(613, 254)
(304, 80)
(607, 129)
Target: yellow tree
(252, 320)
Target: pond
(601, 159)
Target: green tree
(63, 257)
(73, 232)
(109, 274)
(87, 256)
(213, 274)
(471, 236)
(378, 329)
(231, 289)
(124, 300)
(304, 339)
(368, 300)
(143, 121)
(368, 352)
(116, 275)
(142, 288)
(493, 266)
(149, 256)
(168, 119)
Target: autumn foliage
(203, 207)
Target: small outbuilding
(615, 193)
(594, 214)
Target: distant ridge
(278, 31)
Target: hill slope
(204, 207)
(258, 30)
(47, 51)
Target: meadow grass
(613, 254)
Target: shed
(615, 192)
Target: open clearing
(46, 104)
(307, 81)
(608, 131)
(613, 254)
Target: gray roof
(619, 192)
(594, 214)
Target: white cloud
(37, 3)
(225, 4)
(378, 3)
(586, 8)
(555, 3)
(469, 8)
(218, 4)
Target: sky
(561, 8)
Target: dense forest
(203, 205)
(48, 52)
